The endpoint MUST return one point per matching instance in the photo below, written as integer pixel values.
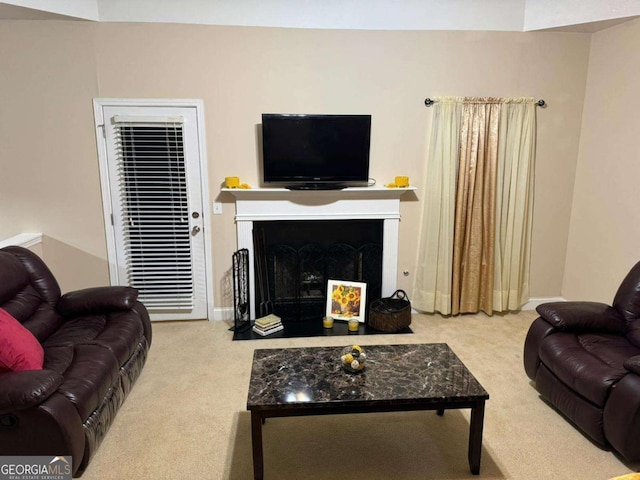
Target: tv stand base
(317, 186)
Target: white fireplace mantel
(355, 203)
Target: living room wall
(57, 68)
(50, 183)
(604, 240)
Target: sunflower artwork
(346, 300)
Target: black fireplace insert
(294, 260)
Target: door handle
(195, 230)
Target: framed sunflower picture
(346, 300)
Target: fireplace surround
(354, 203)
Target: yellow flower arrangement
(345, 300)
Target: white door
(152, 161)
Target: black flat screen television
(315, 151)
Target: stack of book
(267, 325)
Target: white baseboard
(222, 314)
(534, 302)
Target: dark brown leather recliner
(584, 358)
(95, 344)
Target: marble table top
(314, 377)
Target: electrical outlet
(217, 208)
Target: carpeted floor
(186, 417)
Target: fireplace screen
(299, 257)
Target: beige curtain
(432, 285)
(514, 209)
(475, 234)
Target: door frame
(98, 104)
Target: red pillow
(19, 349)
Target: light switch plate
(217, 208)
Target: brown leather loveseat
(92, 344)
(584, 358)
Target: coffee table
(311, 381)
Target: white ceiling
(586, 16)
(13, 12)
(590, 27)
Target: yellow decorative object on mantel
(234, 182)
(399, 182)
(402, 182)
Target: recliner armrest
(633, 364)
(28, 388)
(97, 299)
(583, 317)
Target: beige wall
(49, 180)
(241, 72)
(604, 240)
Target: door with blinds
(154, 208)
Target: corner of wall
(533, 303)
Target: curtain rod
(428, 102)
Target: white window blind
(155, 211)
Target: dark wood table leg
(475, 437)
(440, 412)
(256, 443)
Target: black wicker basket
(391, 314)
